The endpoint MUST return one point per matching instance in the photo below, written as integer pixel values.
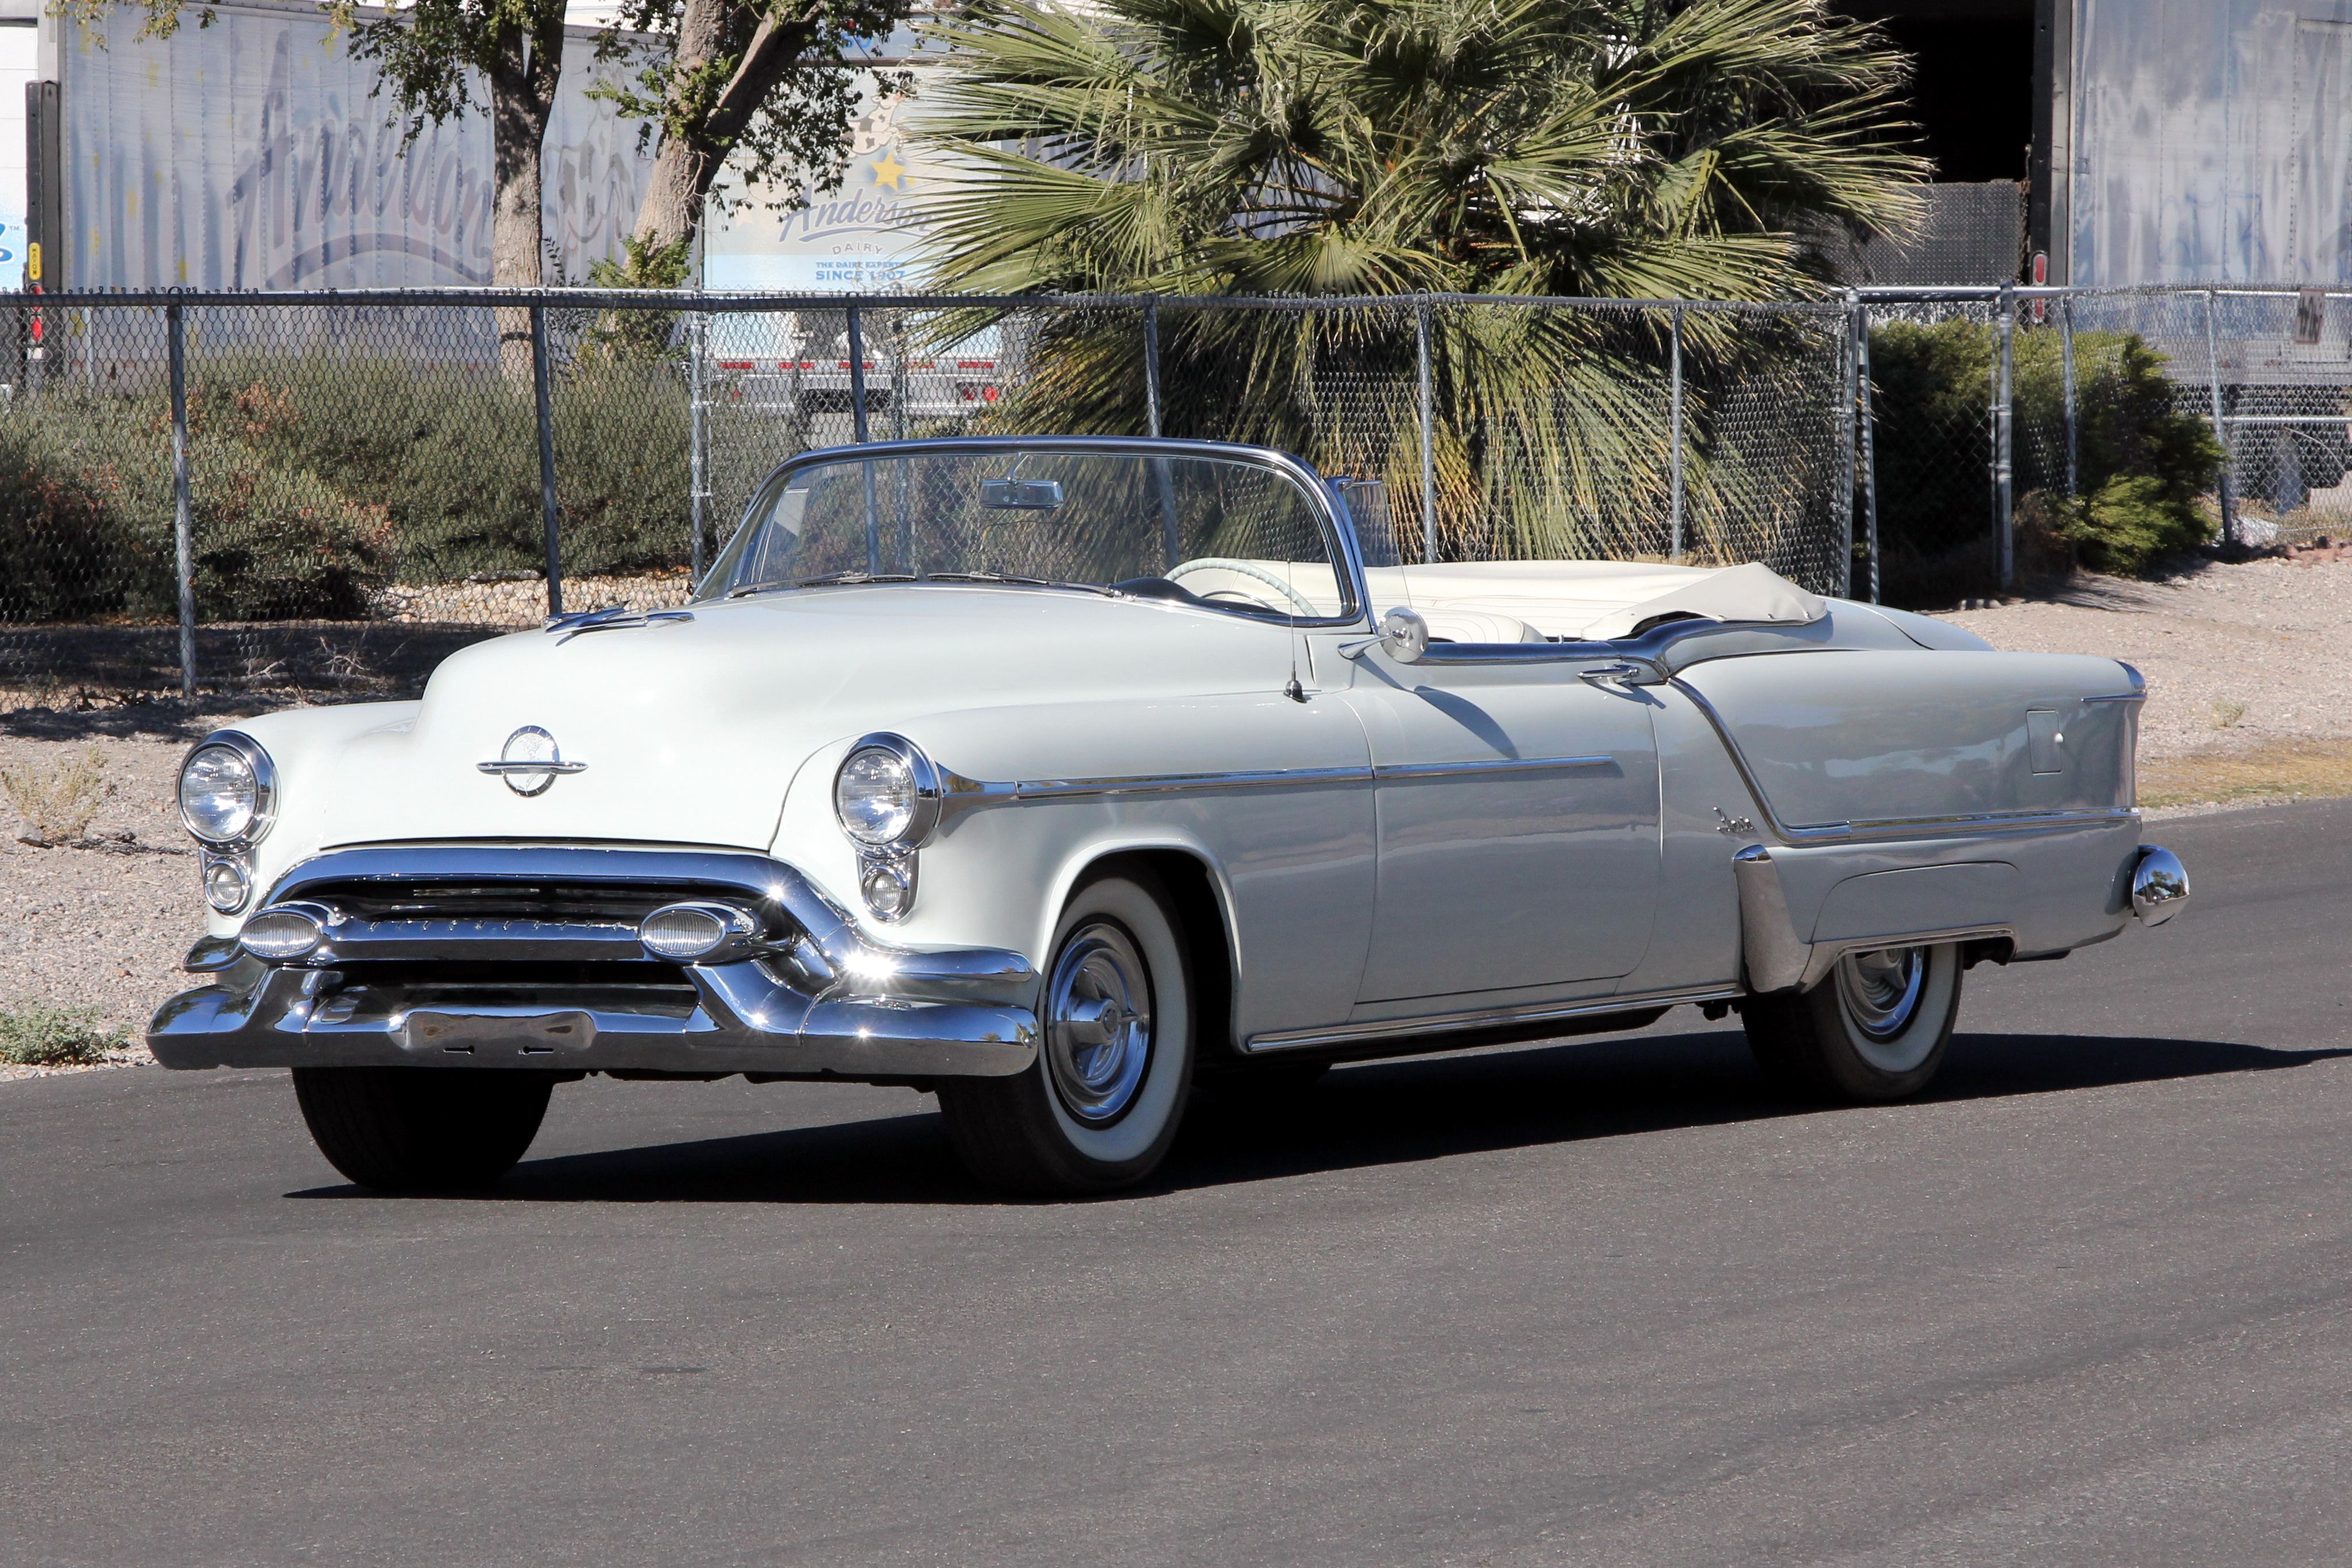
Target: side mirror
(1405, 635)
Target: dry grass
(2288, 768)
(58, 803)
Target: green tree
(1383, 148)
(1612, 148)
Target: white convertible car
(1056, 775)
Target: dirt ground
(2249, 669)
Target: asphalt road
(1606, 1303)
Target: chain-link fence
(370, 482)
(333, 491)
(2016, 431)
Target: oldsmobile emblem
(530, 761)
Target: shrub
(58, 803)
(316, 479)
(2143, 460)
(42, 1034)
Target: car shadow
(1371, 1114)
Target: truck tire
(1875, 1029)
(1099, 1107)
(421, 1129)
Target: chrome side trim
(1157, 784)
(1454, 1023)
(1385, 772)
(961, 794)
(2118, 698)
(1880, 827)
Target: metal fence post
(1675, 429)
(697, 333)
(2221, 423)
(547, 516)
(184, 544)
(1869, 422)
(2066, 370)
(1845, 437)
(2005, 473)
(1428, 433)
(1151, 369)
(857, 378)
(894, 334)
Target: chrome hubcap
(1881, 989)
(1098, 1023)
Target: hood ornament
(530, 761)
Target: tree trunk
(523, 99)
(699, 125)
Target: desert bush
(314, 480)
(43, 1034)
(2143, 462)
(59, 802)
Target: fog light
(279, 935)
(889, 887)
(683, 933)
(226, 885)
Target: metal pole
(858, 426)
(1171, 540)
(1846, 362)
(697, 333)
(2005, 473)
(1428, 434)
(2066, 367)
(1869, 445)
(1152, 370)
(547, 516)
(184, 542)
(2221, 426)
(1674, 436)
(858, 376)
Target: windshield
(1217, 532)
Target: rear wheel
(420, 1129)
(1100, 1106)
(1876, 1029)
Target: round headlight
(875, 795)
(225, 790)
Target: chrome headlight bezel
(924, 782)
(265, 789)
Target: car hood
(691, 731)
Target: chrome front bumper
(429, 988)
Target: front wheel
(1100, 1106)
(1876, 1029)
(422, 1129)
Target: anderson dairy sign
(858, 239)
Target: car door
(1516, 808)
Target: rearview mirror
(1020, 495)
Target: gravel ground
(102, 928)
(524, 603)
(107, 928)
(2235, 655)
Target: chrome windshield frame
(1339, 532)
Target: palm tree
(1383, 148)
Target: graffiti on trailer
(325, 184)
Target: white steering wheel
(1244, 569)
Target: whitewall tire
(1100, 1106)
(1876, 1029)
